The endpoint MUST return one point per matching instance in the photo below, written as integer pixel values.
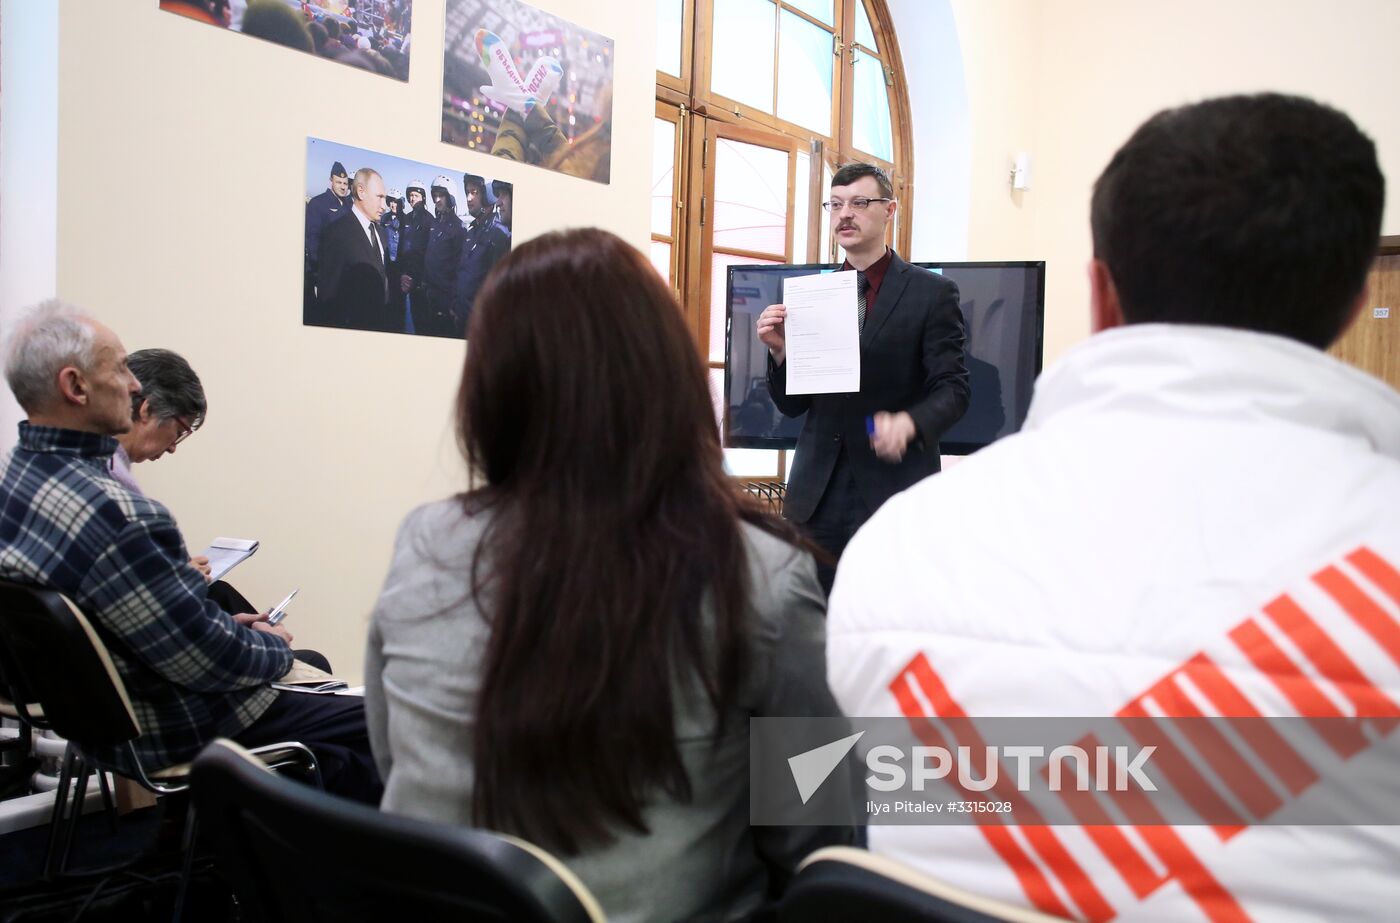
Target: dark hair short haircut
(169, 384)
(851, 172)
(1255, 212)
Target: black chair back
(838, 884)
(298, 855)
(53, 657)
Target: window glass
(661, 259)
(864, 34)
(669, 22)
(752, 463)
(870, 131)
(742, 60)
(663, 175)
(823, 10)
(750, 203)
(805, 62)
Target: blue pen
(869, 426)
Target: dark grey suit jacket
(911, 358)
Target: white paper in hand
(225, 554)
(822, 334)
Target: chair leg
(108, 805)
(60, 799)
(75, 809)
(186, 862)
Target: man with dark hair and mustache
(857, 450)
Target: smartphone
(279, 612)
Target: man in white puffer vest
(1201, 515)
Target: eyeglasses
(860, 203)
(185, 432)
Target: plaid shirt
(192, 672)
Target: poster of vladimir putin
(397, 246)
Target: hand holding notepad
(224, 554)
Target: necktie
(862, 286)
(374, 242)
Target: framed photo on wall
(373, 35)
(523, 84)
(397, 246)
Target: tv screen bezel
(790, 443)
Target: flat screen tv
(1003, 304)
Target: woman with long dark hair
(570, 653)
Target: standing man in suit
(354, 288)
(857, 450)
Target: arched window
(757, 103)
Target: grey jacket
(702, 860)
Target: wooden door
(1372, 343)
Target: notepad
(303, 677)
(225, 554)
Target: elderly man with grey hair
(193, 671)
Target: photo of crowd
(526, 85)
(397, 246)
(373, 35)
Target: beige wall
(181, 162)
(1069, 80)
(1001, 50)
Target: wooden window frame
(701, 114)
(678, 117)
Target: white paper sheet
(822, 338)
(225, 554)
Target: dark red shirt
(874, 275)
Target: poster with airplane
(523, 84)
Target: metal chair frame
(59, 676)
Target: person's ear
(890, 206)
(72, 385)
(143, 414)
(1105, 310)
